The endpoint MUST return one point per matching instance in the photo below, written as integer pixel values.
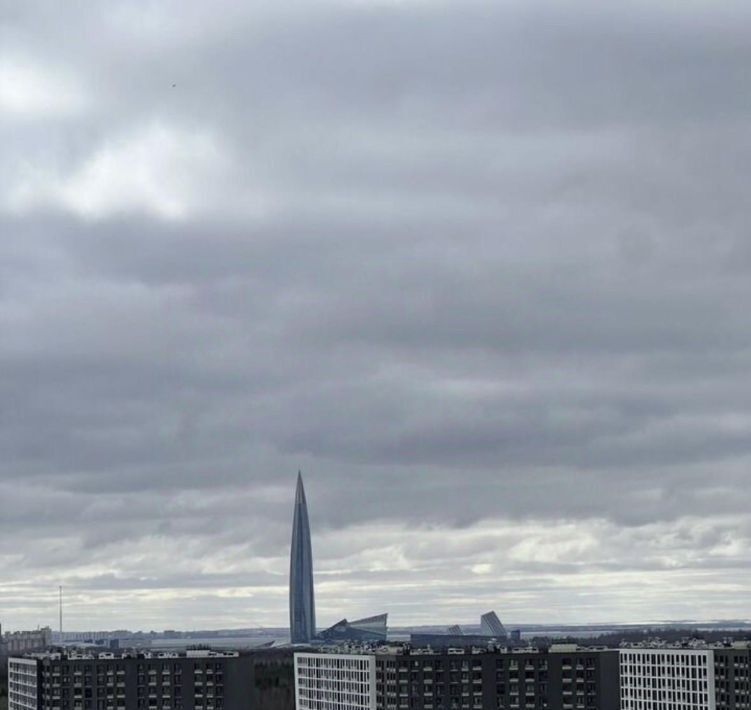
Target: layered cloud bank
(481, 270)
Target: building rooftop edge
(124, 654)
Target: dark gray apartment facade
(192, 680)
(732, 673)
(562, 679)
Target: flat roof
(126, 654)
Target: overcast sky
(481, 270)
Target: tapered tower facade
(302, 608)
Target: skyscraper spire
(302, 609)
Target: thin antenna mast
(61, 613)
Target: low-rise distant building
(492, 632)
(490, 625)
(373, 628)
(20, 642)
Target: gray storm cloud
(480, 270)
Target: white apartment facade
(23, 684)
(335, 681)
(667, 679)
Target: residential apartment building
(335, 681)
(667, 679)
(131, 680)
(688, 677)
(732, 676)
(23, 685)
(561, 678)
(20, 642)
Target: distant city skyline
(480, 269)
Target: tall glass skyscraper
(302, 607)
